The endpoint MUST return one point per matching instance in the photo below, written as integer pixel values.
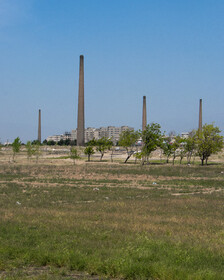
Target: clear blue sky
(172, 51)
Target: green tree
(167, 148)
(36, 142)
(74, 154)
(152, 139)
(89, 151)
(91, 142)
(208, 142)
(137, 155)
(176, 147)
(127, 140)
(37, 151)
(61, 142)
(190, 146)
(67, 142)
(102, 145)
(16, 146)
(182, 150)
(29, 149)
(51, 143)
(73, 142)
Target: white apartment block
(111, 132)
(57, 138)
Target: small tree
(37, 151)
(127, 140)
(190, 145)
(112, 153)
(51, 143)
(74, 154)
(182, 150)
(137, 155)
(16, 146)
(61, 142)
(89, 151)
(176, 147)
(152, 139)
(30, 150)
(91, 142)
(102, 145)
(68, 142)
(167, 148)
(208, 142)
(36, 142)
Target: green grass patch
(62, 219)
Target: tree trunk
(127, 158)
(129, 155)
(174, 159)
(101, 157)
(111, 156)
(88, 157)
(189, 158)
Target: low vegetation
(111, 220)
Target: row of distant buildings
(111, 132)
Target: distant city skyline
(91, 133)
(169, 51)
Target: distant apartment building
(111, 132)
(57, 138)
(185, 135)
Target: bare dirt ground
(46, 272)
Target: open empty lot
(111, 221)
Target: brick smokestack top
(200, 116)
(39, 127)
(81, 118)
(144, 122)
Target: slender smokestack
(81, 119)
(39, 127)
(144, 122)
(200, 116)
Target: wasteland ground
(108, 220)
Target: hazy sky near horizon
(171, 51)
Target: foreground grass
(157, 222)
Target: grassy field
(111, 221)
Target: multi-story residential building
(89, 134)
(103, 132)
(74, 134)
(111, 132)
(57, 138)
(185, 135)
